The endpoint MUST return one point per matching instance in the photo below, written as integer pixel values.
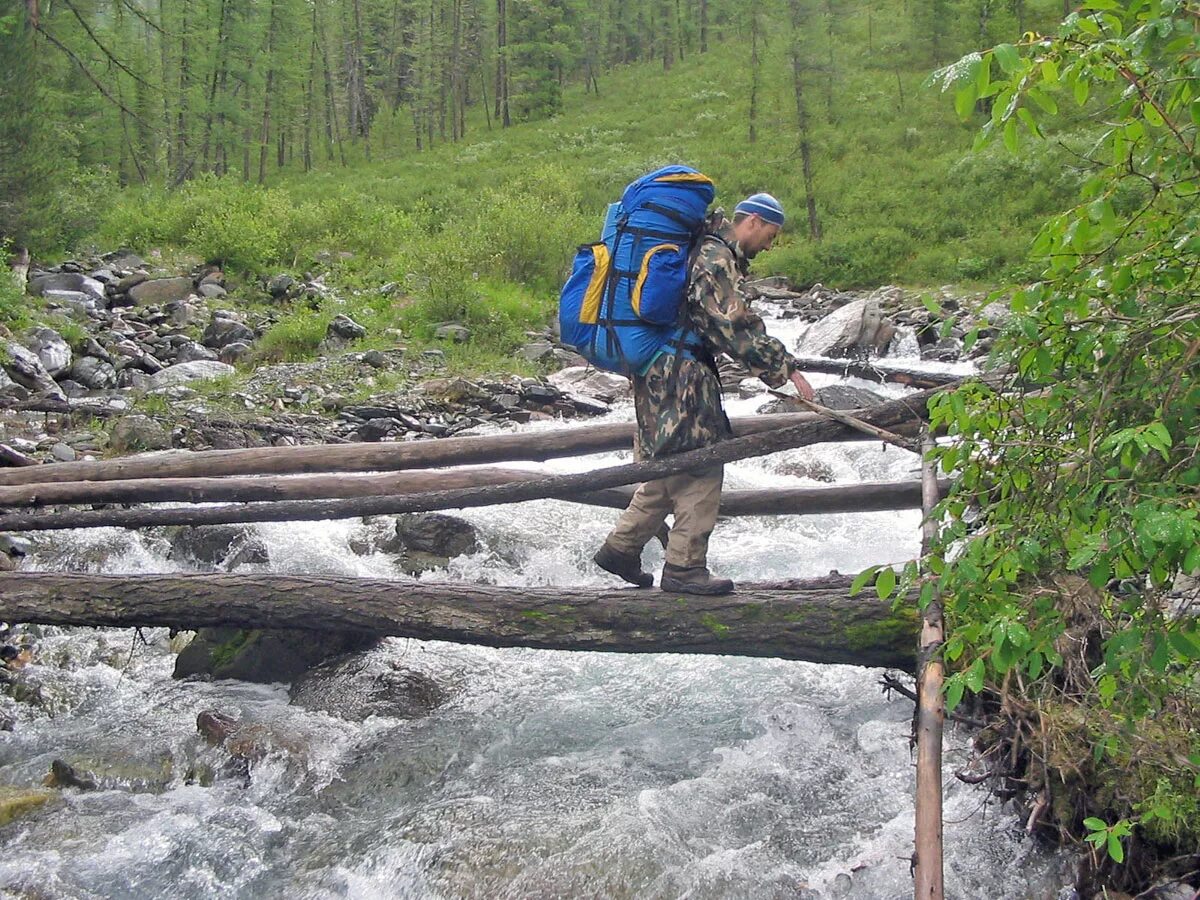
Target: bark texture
(813, 620)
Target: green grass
(482, 232)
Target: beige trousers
(693, 497)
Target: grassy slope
(482, 231)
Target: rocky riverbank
(122, 357)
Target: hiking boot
(623, 565)
(693, 580)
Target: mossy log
(815, 620)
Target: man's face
(757, 235)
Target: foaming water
(547, 775)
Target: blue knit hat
(764, 206)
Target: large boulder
(264, 656)
(222, 331)
(366, 684)
(51, 349)
(607, 386)
(182, 373)
(844, 396)
(190, 351)
(67, 281)
(93, 373)
(342, 329)
(23, 366)
(160, 290)
(855, 328)
(133, 434)
(221, 546)
(424, 541)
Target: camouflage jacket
(678, 399)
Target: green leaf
(954, 692)
(1095, 824)
(1183, 645)
(861, 579)
(1010, 135)
(1195, 111)
(1045, 101)
(1027, 117)
(964, 100)
(974, 676)
(1007, 56)
(1151, 114)
(1082, 87)
(885, 583)
(1049, 71)
(1115, 850)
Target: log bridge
(812, 619)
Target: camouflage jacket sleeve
(724, 321)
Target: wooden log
(928, 874)
(9, 456)
(250, 489)
(419, 454)
(814, 620)
(875, 372)
(887, 415)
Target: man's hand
(803, 388)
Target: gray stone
(63, 452)
(76, 302)
(181, 373)
(379, 428)
(67, 281)
(161, 290)
(434, 357)
(996, 313)
(129, 281)
(376, 359)
(280, 286)
(606, 386)
(458, 334)
(73, 388)
(190, 351)
(211, 291)
(235, 353)
(216, 545)
(543, 394)
(9, 389)
(51, 349)
(858, 326)
(362, 685)
(123, 258)
(343, 328)
(264, 656)
(222, 331)
(434, 533)
(25, 368)
(750, 387)
(94, 374)
(132, 434)
(14, 546)
(843, 396)
(536, 350)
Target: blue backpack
(624, 300)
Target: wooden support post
(812, 619)
(928, 857)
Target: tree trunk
(445, 452)
(558, 487)
(872, 372)
(797, 501)
(813, 620)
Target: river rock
(133, 434)
(182, 373)
(856, 327)
(536, 350)
(190, 351)
(25, 368)
(211, 291)
(281, 286)
(222, 546)
(160, 290)
(94, 374)
(223, 330)
(124, 771)
(343, 329)
(68, 281)
(607, 386)
(453, 332)
(365, 684)
(123, 258)
(51, 349)
(434, 533)
(17, 802)
(236, 352)
(63, 452)
(264, 656)
(844, 396)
